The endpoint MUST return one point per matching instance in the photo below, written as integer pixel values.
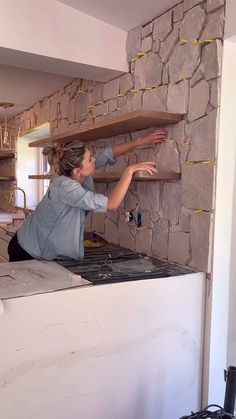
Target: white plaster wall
(52, 29)
(216, 342)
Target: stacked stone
(175, 66)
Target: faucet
(16, 188)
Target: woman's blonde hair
(64, 158)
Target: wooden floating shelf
(6, 154)
(115, 176)
(7, 178)
(133, 121)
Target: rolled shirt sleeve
(104, 158)
(74, 195)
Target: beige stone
(97, 93)
(143, 241)
(165, 76)
(202, 136)
(149, 196)
(192, 23)
(198, 75)
(111, 231)
(100, 109)
(126, 239)
(88, 222)
(178, 132)
(214, 26)
(168, 46)
(212, 60)
(147, 220)
(88, 85)
(146, 45)
(168, 157)
(133, 43)
(155, 100)
(214, 4)
(147, 30)
(177, 98)
(183, 61)
(111, 89)
(171, 201)
(201, 226)
(162, 26)
(198, 100)
(81, 105)
(179, 248)
(134, 102)
(160, 238)
(131, 200)
(188, 4)
(178, 13)
(156, 45)
(184, 220)
(112, 105)
(71, 111)
(198, 186)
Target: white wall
(216, 342)
(50, 29)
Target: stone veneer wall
(186, 76)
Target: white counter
(129, 350)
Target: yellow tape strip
(135, 90)
(208, 162)
(120, 94)
(199, 210)
(183, 41)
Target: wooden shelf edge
(7, 178)
(114, 176)
(7, 154)
(130, 122)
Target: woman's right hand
(148, 166)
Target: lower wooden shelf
(7, 154)
(114, 176)
(8, 178)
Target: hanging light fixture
(6, 127)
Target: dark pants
(16, 252)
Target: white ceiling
(124, 14)
(25, 86)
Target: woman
(55, 230)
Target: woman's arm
(118, 193)
(157, 136)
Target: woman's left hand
(157, 136)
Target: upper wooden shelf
(6, 154)
(133, 121)
(7, 178)
(114, 176)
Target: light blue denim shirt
(55, 230)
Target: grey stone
(88, 222)
(184, 220)
(149, 197)
(100, 109)
(146, 45)
(112, 105)
(192, 24)
(131, 200)
(126, 239)
(81, 104)
(147, 30)
(162, 26)
(133, 43)
(97, 93)
(168, 46)
(183, 61)
(134, 102)
(160, 238)
(111, 89)
(165, 76)
(156, 99)
(184, 152)
(214, 4)
(98, 224)
(188, 4)
(113, 216)
(201, 226)
(202, 136)
(198, 100)
(64, 103)
(171, 201)
(212, 60)
(198, 184)
(71, 111)
(147, 221)
(148, 71)
(215, 92)
(111, 231)
(155, 216)
(177, 98)
(198, 75)
(215, 26)
(168, 157)
(178, 132)
(143, 241)
(88, 85)
(179, 248)
(178, 13)
(126, 83)
(156, 45)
